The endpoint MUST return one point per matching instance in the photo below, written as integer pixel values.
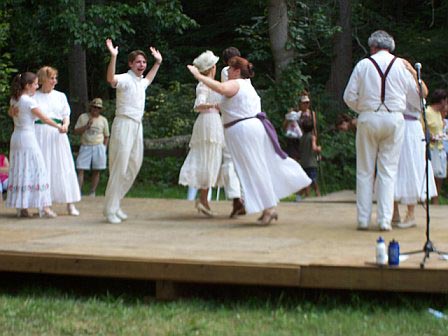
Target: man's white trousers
(125, 160)
(378, 144)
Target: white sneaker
(385, 227)
(362, 226)
(121, 215)
(91, 194)
(113, 219)
(72, 211)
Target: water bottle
(381, 255)
(394, 253)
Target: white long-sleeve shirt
(363, 91)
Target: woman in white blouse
(202, 165)
(54, 145)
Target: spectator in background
(345, 123)
(308, 151)
(437, 104)
(4, 170)
(94, 131)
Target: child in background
(291, 125)
(308, 150)
(94, 130)
(4, 169)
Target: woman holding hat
(202, 165)
(54, 145)
(94, 130)
(265, 171)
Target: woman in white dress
(55, 146)
(203, 163)
(266, 173)
(410, 184)
(28, 181)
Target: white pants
(125, 160)
(229, 178)
(378, 143)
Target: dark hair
(19, 83)
(133, 55)
(306, 123)
(228, 53)
(437, 96)
(342, 118)
(244, 65)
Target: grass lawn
(43, 305)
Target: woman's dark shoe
(238, 208)
(269, 217)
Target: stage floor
(314, 244)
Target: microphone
(418, 67)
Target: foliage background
(183, 29)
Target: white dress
(56, 149)
(265, 177)
(410, 185)
(203, 163)
(28, 183)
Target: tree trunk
(341, 65)
(278, 35)
(77, 71)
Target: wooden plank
(151, 270)
(375, 278)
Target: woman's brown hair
(246, 68)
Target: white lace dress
(56, 149)
(28, 183)
(203, 163)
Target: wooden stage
(314, 244)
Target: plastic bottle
(381, 255)
(394, 253)
(436, 313)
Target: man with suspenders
(378, 90)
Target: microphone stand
(429, 247)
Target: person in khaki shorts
(94, 130)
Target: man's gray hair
(381, 40)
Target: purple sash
(269, 128)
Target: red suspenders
(383, 79)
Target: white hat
(304, 99)
(205, 61)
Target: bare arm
(82, 129)
(42, 116)
(13, 111)
(314, 145)
(227, 89)
(158, 58)
(413, 72)
(106, 140)
(112, 63)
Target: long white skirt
(265, 177)
(60, 164)
(202, 165)
(28, 183)
(410, 185)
